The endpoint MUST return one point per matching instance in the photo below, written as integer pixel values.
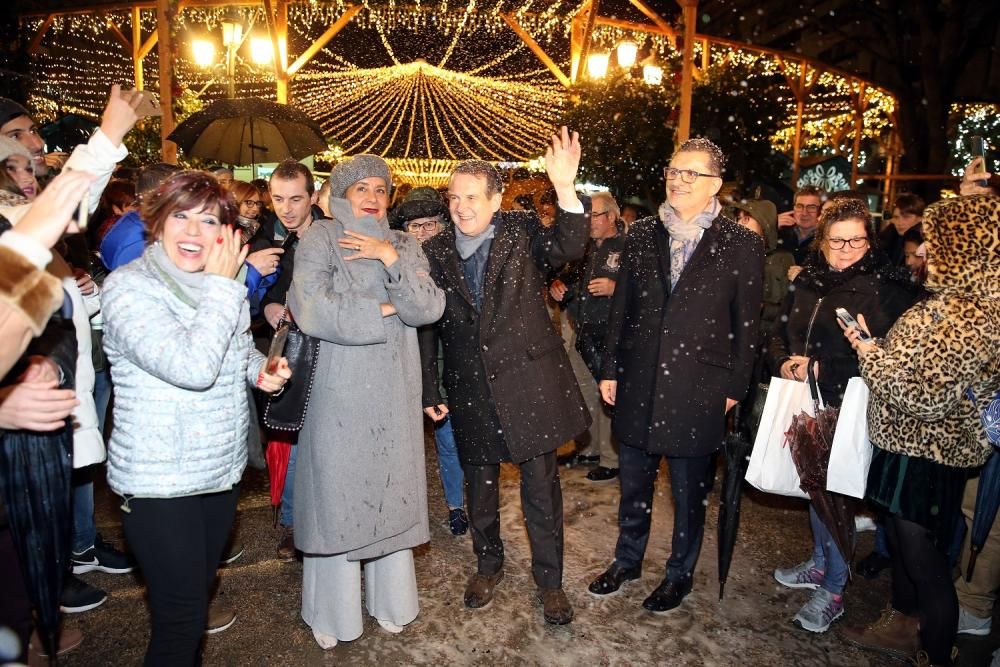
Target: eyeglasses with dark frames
(686, 175)
(857, 242)
(812, 208)
(598, 214)
(428, 226)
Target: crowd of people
(514, 331)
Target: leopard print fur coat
(950, 342)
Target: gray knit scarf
(185, 285)
(685, 235)
(467, 245)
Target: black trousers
(541, 501)
(690, 482)
(15, 606)
(177, 543)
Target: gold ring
(358, 247)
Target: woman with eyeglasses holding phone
(850, 272)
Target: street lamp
(652, 74)
(627, 52)
(232, 37)
(203, 52)
(597, 65)
(260, 50)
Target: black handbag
(287, 410)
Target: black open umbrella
(35, 473)
(737, 448)
(248, 131)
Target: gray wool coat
(360, 485)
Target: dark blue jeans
(690, 482)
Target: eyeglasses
(414, 227)
(598, 214)
(687, 175)
(857, 242)
(252, 203)
(812, 208)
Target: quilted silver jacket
(180, 415)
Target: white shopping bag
(771, 468)
(851, 452)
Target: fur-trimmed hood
(963, 242)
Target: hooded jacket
(945, 345)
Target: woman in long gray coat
(360, 486)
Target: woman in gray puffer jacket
(176, 331)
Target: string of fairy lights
(486, 96)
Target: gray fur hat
(10, 147)
(350, 171)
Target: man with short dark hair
(511, 393)
(797, 228)
(17, 123)
(680, 349)
(293, 194)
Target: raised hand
(225, 256)
(120, 114)
(562, 159)
(51, 213)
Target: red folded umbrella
(277, 454)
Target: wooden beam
(117, 32)
(281, 75)
(137, 47)
(168, 149)
(148, 45)
(324, 39)
(535, 48)
(690, 12)
(36, 41)
(588, 36)
(658, 20)
(638, 27)
(861, 105)
(576, 44)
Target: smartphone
(82, 214)
(978, 148)
(848, 321)
(277, 348)
(288, 241)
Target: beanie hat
(9, 110)
(350, 171)
(10, 147)
(423, 192)
(413, 209)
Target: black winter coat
(808, 325)
(511, 391)
(677, 356)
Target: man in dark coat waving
(680, 350)
(512, 394)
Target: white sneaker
(804, 575)
(968, 624)
(821, 610)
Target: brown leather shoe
(555, 606)
(893, 633)
(286, 546)
(479, 591)
(220, 617)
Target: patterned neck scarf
(684, 236)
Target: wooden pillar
(588, 35)
(860, 106)
(800, 107)
(137, 47)
(165, 49)
(690, 9)
(281, 24)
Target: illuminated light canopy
(626, 53)
(203, 52)
(417, 110)
(597, 65)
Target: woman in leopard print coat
(926, 431)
